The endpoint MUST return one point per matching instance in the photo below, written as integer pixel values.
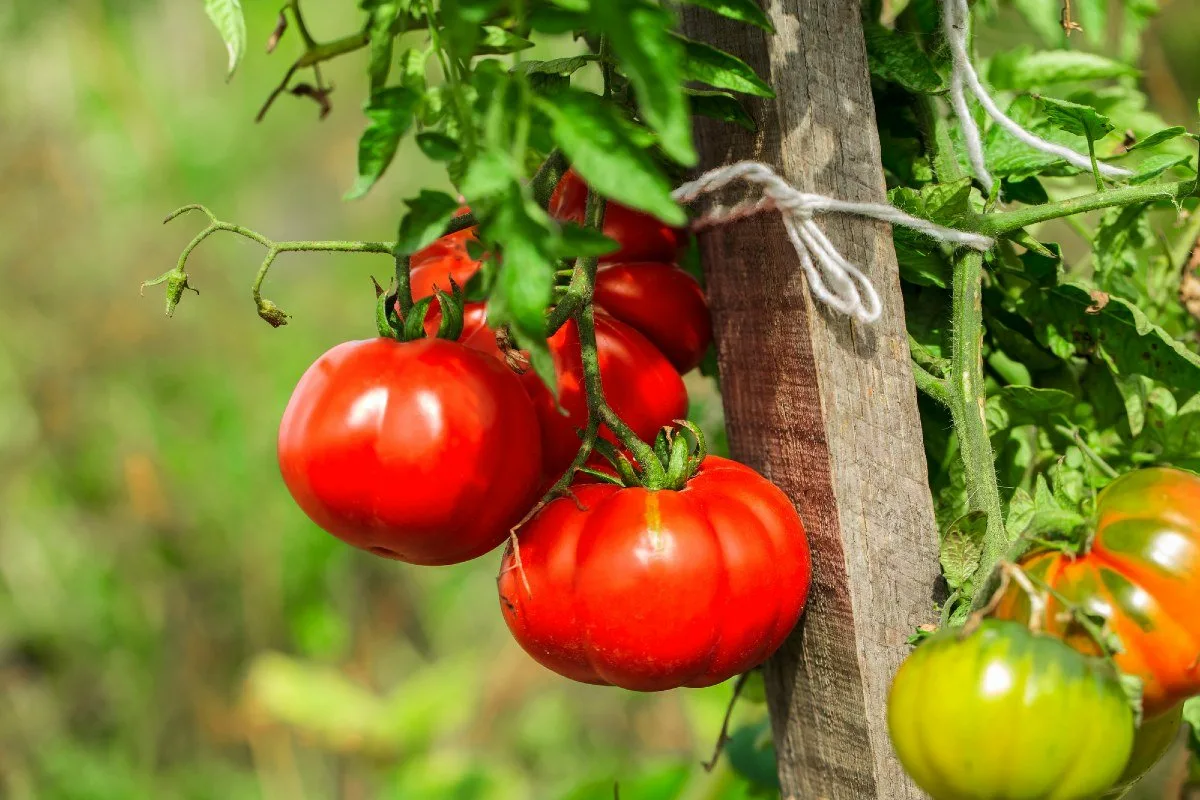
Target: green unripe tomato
(1004, 714)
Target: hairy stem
(1009, 221)
(547, 177)
(967, 404)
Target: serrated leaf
(1075, 118)
(389, 116)
(524, 282)
(490, 174)
(707, 64)
(1023, 70)
(1020, 514)
(962, 547)
(1067, 321)
(497, 41)
(555, 66)
(899, 58)
(652, 59)
(425, 220)
(230, 22)
(721, 106)
(1009, 157)
(595, 140)
(740, 10)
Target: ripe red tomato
(652, 590)
(639, 383)
(1005, 714)
(1142, 574)
(661, 301)
(445, 259)
(425, 451)
(641, 236)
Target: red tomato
(641, 236)
(1142, 574)
(425, 451)
(639, 383)
(445, 259)
(661, 301)
(656, 590)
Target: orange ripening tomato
(1142, 574)
(653, 590)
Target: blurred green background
(171, 625)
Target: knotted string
(956, 20)
(832, 279)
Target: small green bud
(177, 281)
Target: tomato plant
(423, 451)
(652, 590)
(1141, 574)
(640, 236)
(1004, 714)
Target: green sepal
(385, 314)
(623, 466)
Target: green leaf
(555, 66)
(1014, 406)
(1076, 119)
(1156, 165)
(389, 116)
(581, 242)
(230, 22)
(740, 10)
(707, 64)
(1023, 70)
(595, 140)
(438, 146)
(491, 174)
(962, 547)
(1191, 716)
(899, 58)
(427, 216)
(497, 41)
(652, 59)
(721, 106)
(751, 752)
(1158, 138)
(379, 23)
(1071, 321)
(1008, 157)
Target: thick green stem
(935, 131)
(1009, 221)
(547, 177)
(404, 298)
(934, 388)
(968, 403)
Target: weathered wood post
(824, 406)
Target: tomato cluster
(1139, 577)
(431, 450)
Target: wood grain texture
(824, 406)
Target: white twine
(956, 19)
(831, 278)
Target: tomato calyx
(679, 452)
(412, 326)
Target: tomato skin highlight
(641, 237)
(1003, 714)
(1143, 574)
(664, 303)
(425, 451)
(656, 590)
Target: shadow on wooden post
(823, 406)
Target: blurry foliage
(171, 625)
